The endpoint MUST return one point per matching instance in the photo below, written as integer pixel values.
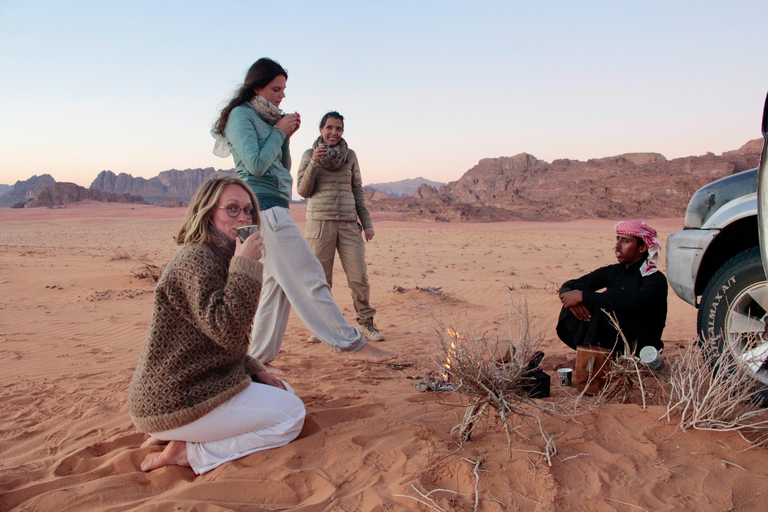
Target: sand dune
(73, 316)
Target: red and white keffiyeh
(642, 230)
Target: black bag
(536, 381)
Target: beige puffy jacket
(333, 195)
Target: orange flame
(456, 341)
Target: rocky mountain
(173, 184)
(23, 191)
(57, 194)
(524, 187)
(371, 194)
(403, 187)
(5, 188)
(496, 189)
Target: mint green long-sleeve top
(261, 152)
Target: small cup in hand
(244, 232)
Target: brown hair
(259, 75)
(197, 223)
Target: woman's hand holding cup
(252, 247)
(320, 152)
(289, 123)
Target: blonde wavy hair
(197, 224)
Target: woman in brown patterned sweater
(195, 386)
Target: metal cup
(652, 357)
(244, 232)
(565, 375)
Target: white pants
(294, 277)
(259, 418)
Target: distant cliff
(403, 187)
(371, 194)
(58, 194)
(23, 191)
(524, 187)
(173, 184)
(496, 189)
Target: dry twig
(497, 382)
(626, 372)
(431, 504)
(477, 479)
(625, 503)
(711, 390)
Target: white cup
(565, 375)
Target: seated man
(633, 289)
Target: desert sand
(74, 314)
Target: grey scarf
(336, 156)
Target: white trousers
(259, 418)
(294, 277)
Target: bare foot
(153, 441)
(503, 352)
(175, 454)
(275, 370)
(371, 354)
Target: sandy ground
(73, 317)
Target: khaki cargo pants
(325, 237)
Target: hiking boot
(313, 339)
(370, 332)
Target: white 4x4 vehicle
(717, 256)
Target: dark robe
(639, 303)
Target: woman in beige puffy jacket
(329, 176)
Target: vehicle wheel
(735, 303)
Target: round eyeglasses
(233, 211)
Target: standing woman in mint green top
(257, 133)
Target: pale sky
(427, 88)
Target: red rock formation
(58, 194)
(524, 187)
(173, 203)
(23, 191)
(373, 194)
(174, 184)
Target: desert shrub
(147, 271)
(495, 380)
(712, 390)
(627, 376)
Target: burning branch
(496, 381)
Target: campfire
(456, 337)
(467, 360)
(442, 380)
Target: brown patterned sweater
(195, 356)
